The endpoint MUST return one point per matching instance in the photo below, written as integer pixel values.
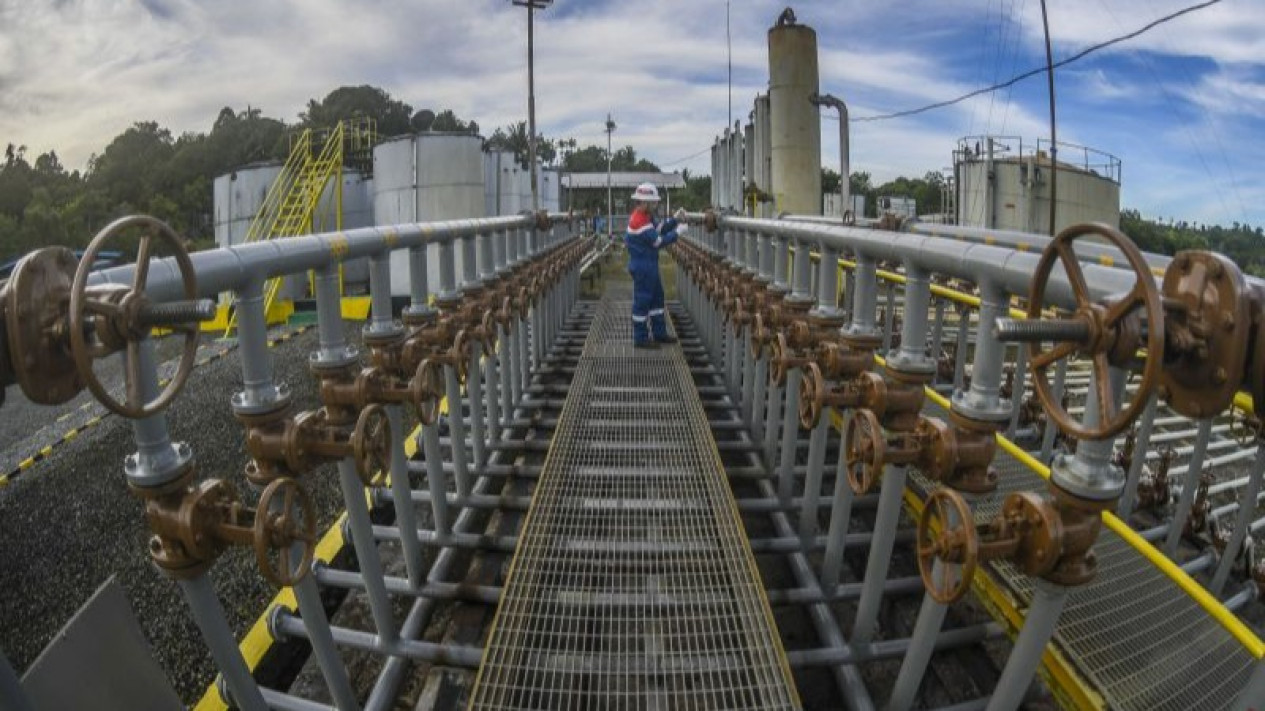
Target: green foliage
(1243, 244)
(348, 102)
(513, 139)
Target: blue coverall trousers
(647, 306)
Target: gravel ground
(99, 531)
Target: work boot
(666, 340)
(646, 345)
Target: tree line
(147, 169)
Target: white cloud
(75, 73)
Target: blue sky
(1183, 107)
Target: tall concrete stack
(794, 123)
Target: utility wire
(682, 160)
(1040, 70)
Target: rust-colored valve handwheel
(371, 445)
(488, 324)
(505, 314)
(126, 310)
(812, 396)
(427, 390)
(864, 450)
(1100, 321)
(946, 533)
(460, 355)
(524, 302)
(780, 359)
(277, 532)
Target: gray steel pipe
(232, 268)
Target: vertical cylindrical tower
(794, 123)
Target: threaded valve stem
(1037, 330)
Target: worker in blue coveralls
(645, 237)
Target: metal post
(1017, 388)
(1141, 445)
(937, 338)
(1038, 628)
(812, 478)
(1051, 430)
(885, 523)
(889, 314)
(840, 518)
(790, 436)
(366, 549)
(1241, 522)
(209, 616)
(921, 644)
(322, 639)
(959, 355)
(1193, 471)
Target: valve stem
(1038, 330)
(177, 312)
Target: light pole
(532, 6)
(610, 210)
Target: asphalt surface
(69, 522)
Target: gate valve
(56, 325)
(194, 525)
(867, 450)
(956, 457)
(1107, 334)
(1028, 531)
(295, 445)
(867, 390)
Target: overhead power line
(1039, 70)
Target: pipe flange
(323, 361)
(379, 334)
(916, 365)
(177, 472)
(1100, 481)
(973, 406)
(422, 315)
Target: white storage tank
(501, 187)
(237, 196)
(424, 178)
(1004, 183)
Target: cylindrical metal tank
(357, 212)
(795, 126)
(500, 177)
(422, 178)
(550, 191)
(1017, 197)
(236, 197)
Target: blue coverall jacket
(645, 237)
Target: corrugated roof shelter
(592, 181)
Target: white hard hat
(646, 192)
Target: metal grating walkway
(633, 586)
(1136, 637)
